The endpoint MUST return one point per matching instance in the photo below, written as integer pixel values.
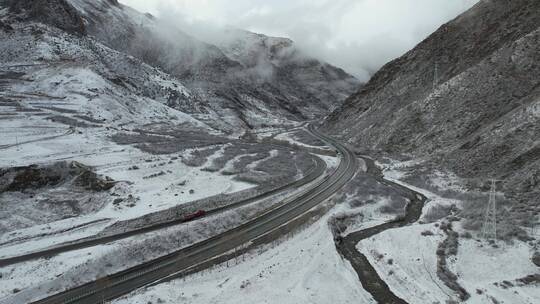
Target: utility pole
(435, 84)
(489, 229)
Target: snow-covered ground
(304, 268)
(291, 138)
(480, 266)
(410, 268)
(449, 182)
(177, 185)
(147, 183)
(407, 260)
(51, 96)
(53, 80)
(331, 162)
(63, 98)
(87, 264)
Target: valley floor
(145, 183)
(303, 267)
(151, 190)
(409, 258)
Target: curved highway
(150, 272)
(318, 171)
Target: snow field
(407, 261)
(303, 269)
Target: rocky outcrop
(5, 27)
(61, 173)
(58, 13)
(467, 97)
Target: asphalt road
(317, 172)
(131, 279)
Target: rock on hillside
(58, 13)
(478, 114)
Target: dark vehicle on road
(191, 216)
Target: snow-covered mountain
(244, 82)
(59, 65)
(467, 97)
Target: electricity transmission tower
(489, 229)
(436, 75)
(435, 84)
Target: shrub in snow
(199, 157)
(445, 249)
(466, 235)
(536, 258)
(426, 233)
(531, 279)
(438, 212)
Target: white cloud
(357, 35)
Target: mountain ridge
(58, 13)
(466, 98)
(249, 82)
(242, 89)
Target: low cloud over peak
(357, 35)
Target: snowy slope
(242, 77)
(62, 98)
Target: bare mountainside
(467, 97)
(249, 80)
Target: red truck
(194, 215)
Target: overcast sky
(356, 35)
